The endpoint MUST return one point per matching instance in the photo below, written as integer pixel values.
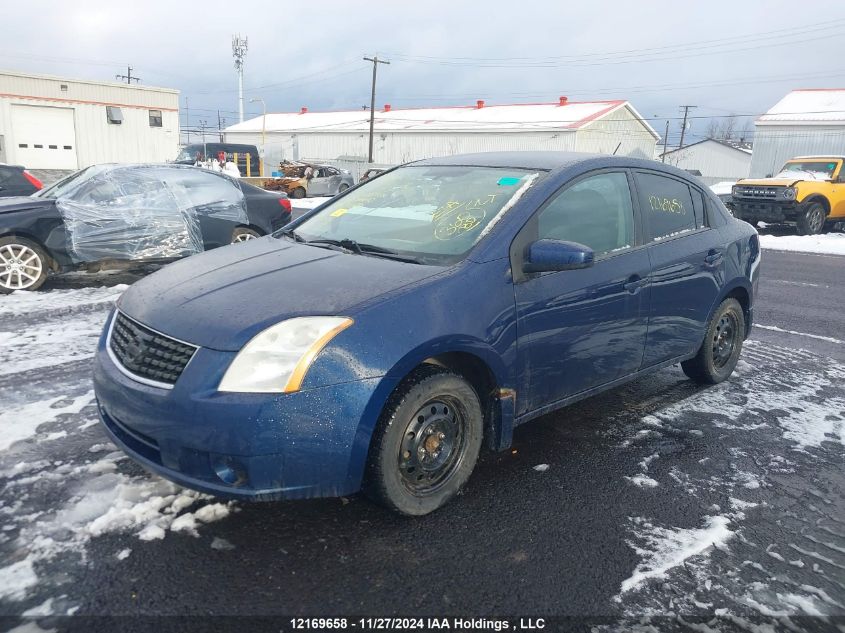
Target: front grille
(147, 354)
(757, 193)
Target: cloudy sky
(725, 57)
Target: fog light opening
(229, 471)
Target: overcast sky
(726, 57)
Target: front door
(579, 329)
(687, 261)
(319, 184)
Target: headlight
(734, 190)
(788, 193)
(276, 360)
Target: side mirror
(553, 255)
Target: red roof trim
(82, 101)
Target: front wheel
(811, 220)
(719, 353)
(23, 265)
(426, 443)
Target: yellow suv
(809, 191)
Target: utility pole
(376, 61)
(187, 122)
(221, 123)
(686, 109)
(239, 48)
(128, 76)
(203, 125)
(665, 141)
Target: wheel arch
(817, 197)
(472, 359)
(742, 291)
(51, 261)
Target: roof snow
(808, 106)
(521, 117)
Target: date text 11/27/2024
(417, 624)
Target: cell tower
(239, 48)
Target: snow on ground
(785, 396)
(825, 244)
(50, 414)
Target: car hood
(222, 298)
(19, 203)
(775, 182)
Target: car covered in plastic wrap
(112, 214)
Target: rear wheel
(426, 443)
(719, 353)
(298, 193)
(244, 234)
(342, 188)
(23, 265)
(811, 220)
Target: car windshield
(67, 186)
(818, 169)
(433, 215)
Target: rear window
(667, 205)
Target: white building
(713, 160)
(804, 122)
(402, 135)
(64, 124)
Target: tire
(23, 265)
(342, 188)
(433, 410)
(811, 220)
(298, 193)
(244, 234)
(719, 353)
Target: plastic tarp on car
(146, 212)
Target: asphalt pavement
(657, 498)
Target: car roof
(550, 161)
(818, 156)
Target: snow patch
(643, 481)
(541, 468)
(666, 548)
(22, 422)
(16, 579)
(825, 244)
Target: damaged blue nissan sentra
(380, 340)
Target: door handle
(634, 283)
(713, 258)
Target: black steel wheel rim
(724, 339)
(816, 218)
(433, 445)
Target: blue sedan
(379, 341)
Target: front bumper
(764, 211)
(307, 444)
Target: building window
(114, 115)
(155, 118)
(63, 87)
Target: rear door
(687, 261)
(578, 329)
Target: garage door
(43, 137)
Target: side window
(596, 212)
(667, 204)
(155, 118)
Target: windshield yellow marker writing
(338, 212)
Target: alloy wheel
(20, 267)
(815, 219)
(243, 237)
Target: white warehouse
(713, 160)
(403, 135)
(52, 123)
(803, 123)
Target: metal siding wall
(713, 160)
(603, 135)
(774, 145)
(97, 141)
